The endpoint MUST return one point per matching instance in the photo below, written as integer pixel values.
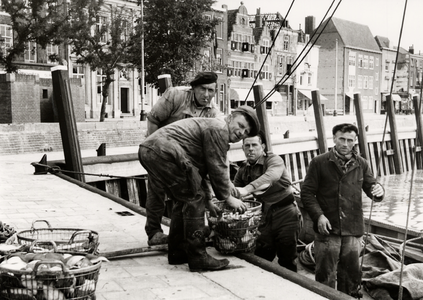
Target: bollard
(101, 151)
(165, 81)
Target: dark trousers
(337, 261)
(176, 177)
(279, 235)
(155, 207)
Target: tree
(175, 32)
(37, 21)
(99, 41)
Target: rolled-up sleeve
(163, 108)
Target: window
(351, 81)
(371, 62)
(360, 61)
(219, 28)
(365, 82)
(100, 79)
(377, 76)
(45, 94)
(31, 52)
(301, 80)
(377, 61)
(370, 82)
(365, 62)
(77, 71)
(101, 28)
(387, 66)
(219, 52)
(7, 35)
(360, 82)
(309, 79)
(286, 42)
(376, 90)
(352, 58)
(50, 50)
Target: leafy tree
(175, 32)
(38, 21)
(102, 43)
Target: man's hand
(213, 208)
(377, 190)
(323, 225)
(243, 191)
(236, 204)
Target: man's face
(238, 127)
(204, 93)
(253, 148)
(344, 141)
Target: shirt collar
(260, 161)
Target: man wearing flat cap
(179, 158)
(176, 104)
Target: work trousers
(155, 207)
(279, 234)
(337, 261)
(176, 177)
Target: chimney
(258, 19)
(310, 24)
(224, 6)
(411, 49)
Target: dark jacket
(327, 190)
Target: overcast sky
(383, 17)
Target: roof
(352, 34)
(382, 41)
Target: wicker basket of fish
(66, 239)
(49, 276)
(234, 232)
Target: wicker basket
(66, 239)
(43, 283)
(235, 232)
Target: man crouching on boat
(332, 196)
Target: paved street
(25, 197)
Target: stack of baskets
(57, 265)
(234, 232)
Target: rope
(57, 169)
(296, 65)
(268, 52)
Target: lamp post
(142, 113)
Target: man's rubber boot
(198, 258)
(176, 243)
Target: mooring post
(63, 99)
(262, 115)
(165, 81)
(419, 132)
(362, 137)
(320, 124)
(394, 134)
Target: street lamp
(142, 113)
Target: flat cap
(251, 117)
(204, 78)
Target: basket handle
(36, 221)
(78, 232)
(37, 242)
(65, 270)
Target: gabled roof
(352, 34)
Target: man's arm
(151, 127)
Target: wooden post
(69, 132)
(394, 134)
(419, 132)
(262, 115)
(362, 137)
(320, 124)
(165, 81)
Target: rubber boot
(198, 258)
(176, 243)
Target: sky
(384, 17)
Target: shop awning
(307, 94)
(395, 97)
(241, 94)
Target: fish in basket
(66, 239)
(49, 276)
(234, 232)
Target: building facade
(349, 63)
